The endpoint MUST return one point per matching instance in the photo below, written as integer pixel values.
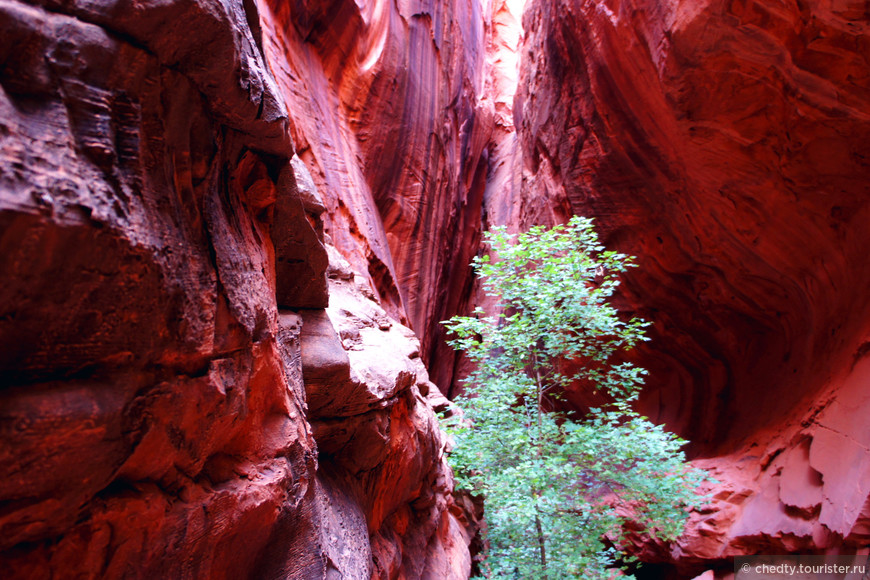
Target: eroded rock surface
(723, 143)
(154, 416)
(205, 346)
(371, 410)
(390, 113)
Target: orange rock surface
(724, 144)
(229, 230)
(164, 411)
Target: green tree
(559, 489)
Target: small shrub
(558, 490)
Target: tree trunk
(541, 545)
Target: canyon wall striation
(195, 382)
(723, 143)
(229, 230)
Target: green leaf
(551, 480)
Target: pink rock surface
(161, 417)
(154, 419)
(723, 144)
(387, 111)
(371, 410)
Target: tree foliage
(558, 489)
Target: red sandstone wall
(160, 417)
(724, 144)
(179, 401)
(388, 112)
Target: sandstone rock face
(378, 438)
(207, 364)
(723, 143)
(154, 411)
(389, 112)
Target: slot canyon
(230, 229)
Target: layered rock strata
(391, 116)
(723, 143)
(160, 417)
(207, 367)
